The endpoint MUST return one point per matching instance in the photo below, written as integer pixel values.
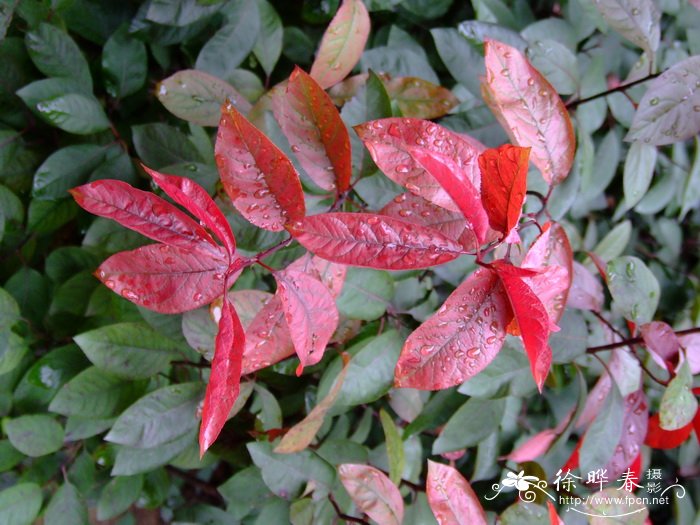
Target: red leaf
(662, 343)
(415, 209)
(268, 340)
(534, 447)
(342, 44)
(392, 141)
(451, 498)
(531, 317)
(260, 179)
(311, 314)
(461, 191)
(165, 278)
(332, 275)
(144, 212)
(657, 437)
(586, 292)
(224, 381)
(458, 341)
(503, 185)
(551, 253)
(554, 518)
(192, 196)
(572, 463)
(374, 241)
(373, 493)
(529, 109)
(315, 131)
(418, 98)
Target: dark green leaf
(74, 113)
(475, 420)
(603, 435)
(20, 504)
(366, 293)
(160, 145)
(118, 495)
(132, 460)
(66, 507)
(268, 45)
(56, 54)
(124, 64)
(35, 435)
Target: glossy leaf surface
(268, 339)
(316, 134)
(374, 241)
(419, 98)
(260, 180)
(458, 341)
(451, 498)
(529, 109)
(373, 492)
(636, 20)
(586, 292)
(342, 44)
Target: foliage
(397, 258)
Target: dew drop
(373, 220)
(473, 352)
(399, 199)
(110, 284)
(296, 149)
(169, 260)
(129, 294)
(505, 72)
(402, 168)
(197, 297)
(490, 340)
(531, 81)
(394, 131)
(412, 188)
(654, 101)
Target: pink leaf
(165, 278)
(662, 343)
(451, 498)
(315, 131)
(534, 447)
(342, 43)
(554, 518)
(329, 273)
(374, 241)
(586, 292)
(458, 341)
(144, 212)
(268, 340)
(192, 196)
(529, 109)
(691, 343)
(415, 209)
(373, 493)
(224, 381)
(534, 323)
(311, 314)
(461, 191)
(392, 141)
(260, 179)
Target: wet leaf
(419, 98)
(586, 292)
(373, 492)
(634, 288)
(637, 20)
(678, 404)
(451, 498)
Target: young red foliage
(503, 186)
(192, 196)
(145, 213)
(392, 141)
(659, 438)
(268, 339)
(164, 278)
(224, 381)
(554, 518)
(586, 292)
(460, 189)
(533, 321)
(311, 314)
(316, 133)
(451, 497)
(458, 341)
(662, 343)
(258, 177)
(374, 241)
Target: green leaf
(268, 46)
(66, 261)
(74, 113)
(84, 427)
(160, 145)
(477, 32)
(615, 242)
(12, 349)
(158, 417)
(457, 53)
(394, 447)
(474, 421)
(691, 188)
(64, 169)
(678, 404)
(20, 504)
(180, 12)
(45, 217)
(639, 170)
(366, 293)
(128, 350)
(124, 63)
(436, 411)
(94, 393)
(9, 310)
(245, 491)
(118, 495)
(9, 456)
(231, 44)
(56, 54)
(35, 435)
(30, 290)
(287, 474)
(603, 434)
(132, 460)
(46, 89)
(523, 513)
(557, 63)
(66, 507)
(634, 289)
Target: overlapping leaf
(268, 339)
(662, 343)
(419, 98)
(391, 143)
(259, 178)
(658, 437)
(373, 492)
(637, 20)
(315, 131)
(375, 241)
(586, 292)
(224, 381)
(342, 44)
(460, 340)
(310, 312)
(529, 109)
(452, 498)
(165, 278)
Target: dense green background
(84, 374)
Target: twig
(196, 482)
(634, 341)
(342, 515)
(622, 87)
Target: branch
(622, 87)
(343, 516)
(634, 341)
(194, 481)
